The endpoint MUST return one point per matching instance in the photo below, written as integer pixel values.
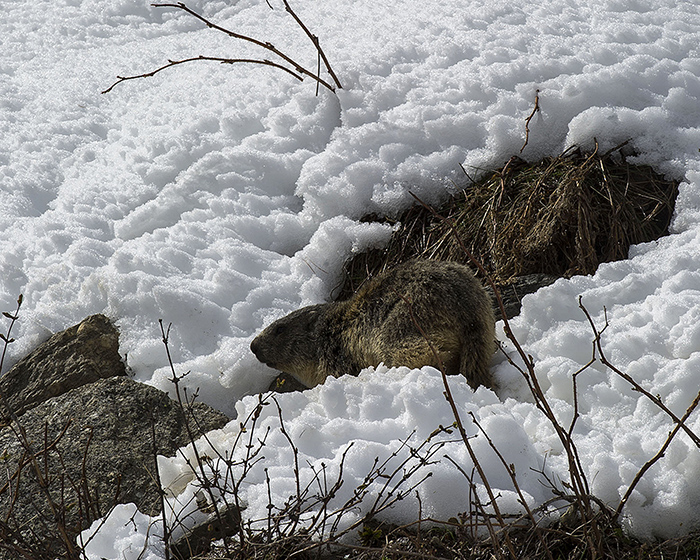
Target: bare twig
(510, 469)
(476, 507)
(41, 475)
(190, 434)
(574, 381)
(314, 40)
(527, 121)
(458, 423)
(7, 338)
(680, 422)
(635, 385)
(200, 58)
(161, 493)
(296, 70)
(656, 457)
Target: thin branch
(314, 40)
(298, 70)
(190, 434)
(161, 493)
(635, 385)
(656, 457)
(26, 443)
(460, 426)
(172, 63)
(7, 338)
(510, 469)
(535, 110)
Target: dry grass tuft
(562, 216)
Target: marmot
(377, 325)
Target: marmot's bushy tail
(475, 359)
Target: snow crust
(220, 198)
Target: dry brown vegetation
(561, 216)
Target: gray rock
(87, 437)
(81, 354)
(512, 293)
(215, 527)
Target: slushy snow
(219, 198)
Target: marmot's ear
(312, 319)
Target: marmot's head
(290, 344)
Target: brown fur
(378, 324)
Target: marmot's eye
(279, 329)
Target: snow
(220, 198)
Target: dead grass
(383, 541)
(562, 216)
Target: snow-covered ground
(220, 198)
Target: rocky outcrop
(90, 444)
(79, 355)
(512, 294)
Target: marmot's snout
(256, 348)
